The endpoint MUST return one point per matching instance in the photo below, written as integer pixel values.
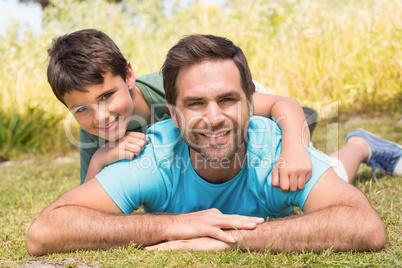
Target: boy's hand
(292, 170)
(128, 147)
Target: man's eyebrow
(190, 99)
(227, 94)
(230, 94)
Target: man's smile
(216, 137)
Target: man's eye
(227, 100)
(106, 96)
(195, 103)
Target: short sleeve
(135, 183)
(283, 203)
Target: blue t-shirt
(162, 178)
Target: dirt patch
(70, 262)
(356, 120)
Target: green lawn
(26, 188)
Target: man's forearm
(64, 228)
(340, 227)
(70, 228)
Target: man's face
(105, 109)
(212, 110)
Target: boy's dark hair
(196, 48)
(80, 59)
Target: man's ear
(173, 113)
(130, 77)
(251, 105)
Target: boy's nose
(101, 113)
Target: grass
(28, 187)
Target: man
(217, 160)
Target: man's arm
(337, 215)
(289, 115)
(87, 218)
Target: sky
(30, 14)
(26, 14)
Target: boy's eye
(106, 96)
(81, 109)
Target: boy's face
(104, 110)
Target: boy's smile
(104, 110)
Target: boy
(89, 74)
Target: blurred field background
(342, 58)
(321, 52)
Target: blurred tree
(45, 3)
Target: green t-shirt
(151, 86)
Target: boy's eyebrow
(105, 92)
(97, 98)
(76, 106)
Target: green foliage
(318, 52)
(31, 131)
(14, 132)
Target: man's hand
(195, 244)
(211, 223)
(292, 170)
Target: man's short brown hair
(194, 49)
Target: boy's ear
(130, 77)
(173, 113)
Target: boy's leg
(363, 146)
(351, 155)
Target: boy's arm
(88, 146)
(293, 168)
(127, 147)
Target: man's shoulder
(258, 123)
(263, 133)
(164, 136)
(163, 132)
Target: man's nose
(214, 114)
(101, 113)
